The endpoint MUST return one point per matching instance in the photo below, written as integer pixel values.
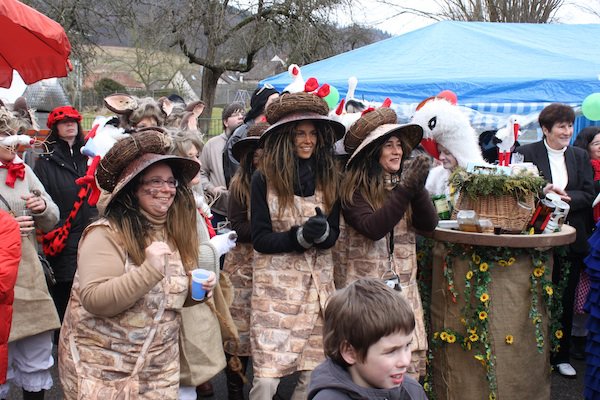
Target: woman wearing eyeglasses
(120, 333)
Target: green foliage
(495, 184)
(106, 86)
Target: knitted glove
(225, 242)
(316, 229)
(413, 177)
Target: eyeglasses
(265, 86)
(157, 183)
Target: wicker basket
(506, 212)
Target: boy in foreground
(367, 339)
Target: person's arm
(264, 239)
(333, 219)
(205, 167)
(105, 288)
(237, 214)
(424, 215)
(10, 255)
(583, 197)
(376, 224)
(48, 218)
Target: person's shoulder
(331, 394)
(414, 389)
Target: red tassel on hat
(311, 85)
(387, 102)
(340, 108)
(324, 90)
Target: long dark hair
(124, 214)
(280, 161)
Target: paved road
(562, 388)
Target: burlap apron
(238, 267)
(288, 298)
(99, 356)
(360, 257)
(33, 309)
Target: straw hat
(409, 134)
(132, 155)
(291, 108)
(250, 142)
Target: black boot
(578, 347)
(235, 383)
(33, 395)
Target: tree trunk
(210, 78)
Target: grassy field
(215, 126)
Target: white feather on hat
(447, 125)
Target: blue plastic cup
(199, 276)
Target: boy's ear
(348, 353)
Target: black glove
(413, 177)
(315, 229)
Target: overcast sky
(378, 15)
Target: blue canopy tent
(496, 69)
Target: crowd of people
(307, 249)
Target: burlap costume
(289, 296)
(365, 258)
(238, 267)
(97, 354)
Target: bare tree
(532, 11)
(222, 35)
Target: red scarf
(15, 171)
(596, 166)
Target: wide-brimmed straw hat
(250, 142)
(409, 134)
(132, 155)
(291, 108)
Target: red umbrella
(31, 44)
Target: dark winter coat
(330, 381)
(58, 171)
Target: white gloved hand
(223, 243)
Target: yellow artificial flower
(483, 267)
(468, 344)
(426, 386)
(420, 256)
(511, 261)
(502, 263)
(492, 396)
(549, 290)
(473, 330)
(436, 335)
(558, 334)
(482, 315)
(480, 358)
(451, 338)
(476, 258)
(484, 297)
(444, 336)
(509, 339)
(469, 275)
(538, 272)
(463, 321)
(473, 337)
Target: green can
(442, 206)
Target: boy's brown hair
(361, 314)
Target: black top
(58, 171)
(263, 237)
(580, 187)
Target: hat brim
(338, 128)
(244, 146)
(409, 134)
(184, 166)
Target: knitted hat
(132, 155)
(259, 100)
(62, 113)
(291, 108)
